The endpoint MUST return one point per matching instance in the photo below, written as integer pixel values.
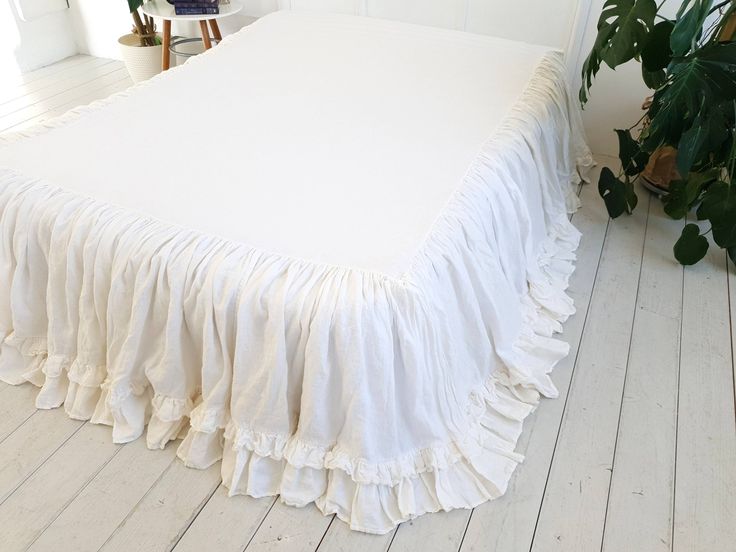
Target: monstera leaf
(701, 81)
(689, 28)
(718, 202)
(633, 159)
(684, 194)
(134, 5)
(631, 20)
(692, 246)
(618, 195)
(622, 31)
(692, 143)
(719, 207)
(657, 53)
(593, 63)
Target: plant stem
(719, 6)
(637, 123)
(141, 28)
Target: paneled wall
(540, 21)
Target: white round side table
(164, 10)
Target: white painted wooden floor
(637, 454)
(34, 97)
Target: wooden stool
(164, 10)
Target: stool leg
(166, 54)
(215, 30)
(205, 34)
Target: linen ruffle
(133, 322)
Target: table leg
(205, 34)
(166, 54)
(215, 30)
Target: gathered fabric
(377, 397)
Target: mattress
(331, 253)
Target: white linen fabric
(338, 265)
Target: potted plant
(690, 63)
(141, 49)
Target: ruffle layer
(464, 474)
(261, 368)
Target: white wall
(45, 37)
(98, 24)
(539, 21)
(616, 96)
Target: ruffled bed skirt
(377, 398)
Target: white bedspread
(331, 251)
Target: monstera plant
(690, 64)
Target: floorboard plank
(14, 98)
(440, 532)
(289, 529)
(94, 94)
(158, 521)
(508, 522)
(20, 79)
(639, 512)
(18, 403)
(49, 490)
(705, 502)
(339, 538)
(92, 517)
(29, 446)
(573, 509)
(225, 524)
(68, 80)
(113, 72)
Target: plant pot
(661, 171)
(142, 62)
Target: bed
(331, 252)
